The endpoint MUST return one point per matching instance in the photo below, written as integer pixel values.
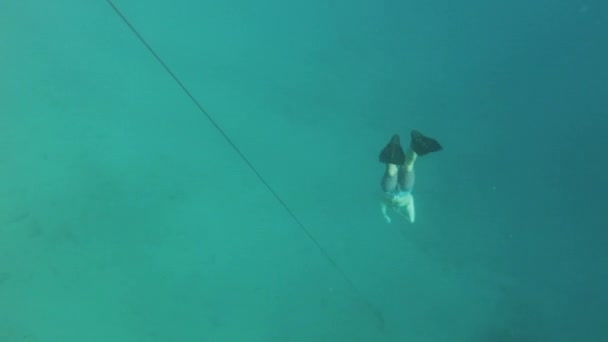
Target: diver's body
(398, 179)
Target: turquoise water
(126, 216)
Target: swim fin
(423, 145)
(392, 153)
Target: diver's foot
(392, 153)
(422, 144)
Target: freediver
(398, 179)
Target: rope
(245, 159)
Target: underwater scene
(247, 171)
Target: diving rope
(249, 164)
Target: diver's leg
(390, 178)
(389, 183)
(410, 159)
(406, 183)
(406, 173)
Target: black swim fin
(392, 153)
(423, 145)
